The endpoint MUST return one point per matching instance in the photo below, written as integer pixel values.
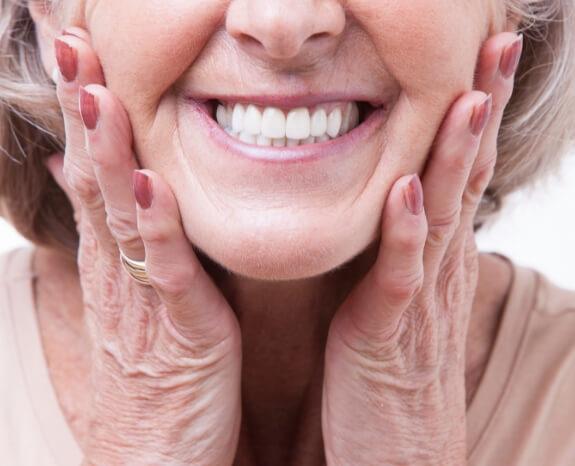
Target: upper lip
(292, 100)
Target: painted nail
(67, 59)
(142, 189)
(480, 116)
(413, 195)
(89, 109)
(510, 57)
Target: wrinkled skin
(398, 339)
(420, 55)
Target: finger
(78, 65)
(378, 303)
(447, 173)
(197, 312)
(496, 72)
(109, 140)
(55, 165)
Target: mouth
(272, 126)
(284, 129)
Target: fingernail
(480, 116)
(89, 109)
(510, 57)
(142, 189)
(413, 195)
(67, 59)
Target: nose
(283, 29)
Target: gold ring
(136, 269)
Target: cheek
(428, 46)
(153, 43)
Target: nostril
(248, 41)
(319, 36)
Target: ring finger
(446, 176)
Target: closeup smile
(293, 131)
(272, 126)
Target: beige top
(523, 412)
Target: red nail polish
(142, 189)
(413, 195)
(67, 59)
(89, 109)
(510, 57)
(480, 116)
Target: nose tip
(280, 30)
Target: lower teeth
(279, 142)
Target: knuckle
(83, 184)
(458, 162)
(69, 102)
(173, 288)
(481, 178)
(408, 241)
(499, 104)
(153, 235)
(123, 226)
(399, 288)
(442, 228)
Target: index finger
(78, 65)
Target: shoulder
(525, 413)
(553, 300)
(549, 311)
(16, 264)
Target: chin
(274, 258)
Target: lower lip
(286, 155)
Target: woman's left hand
(394, 379)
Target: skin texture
(194, 54)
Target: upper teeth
(270, 126)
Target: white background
(536, 228)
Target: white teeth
(247, 137)
(222, 116)
(273, 123)
(350, 119)
(253, 120)
(298, 124)
(231, 132)
(270, 126)
(292, 142)
(238, 118)
(263, 141)
(334, 123)
(318, 123)
(280, 142)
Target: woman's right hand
(166, 359)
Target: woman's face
(280, 220)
